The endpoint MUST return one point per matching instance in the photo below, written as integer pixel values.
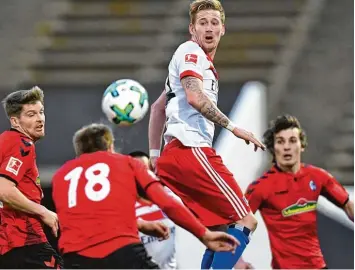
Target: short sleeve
(15, 161)
(332, 189)
(255, 195)
(190, 62)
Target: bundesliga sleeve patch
(191, 58)
(14, 165)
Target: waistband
(242, 228)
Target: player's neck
(290, 169)
(209, 54)
(24, 133)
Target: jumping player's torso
(183, 121)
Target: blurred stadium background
(302, 50)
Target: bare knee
(249, 221)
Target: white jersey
(162, 252)
(183, 121)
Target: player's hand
(51, 220)
(153, 163)
(241, 264)
(220, 241)
(154, 228)
(248, 137)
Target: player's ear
(14, 121)
(223, 30)
(111, 148)
(191, 29)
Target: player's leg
(245, 223)
(43, 256)
(37, 256)
(197, 175)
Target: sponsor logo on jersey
(312, 185)
(302, 206)
(191, 58)
(14, 165)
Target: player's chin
(289, 163)
(39, 134)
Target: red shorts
(205, 185)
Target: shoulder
(263, 183)
(10, 138)
(15, 143)
(189, 47)
(311, 169)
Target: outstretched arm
(201, 102)
(156, 127)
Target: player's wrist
(154, 153)
(230, 126)
(41, 211)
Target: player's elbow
(168, 207)
(6, 193)
(157, 107)
(192, 100)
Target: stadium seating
(94, 40)
(321, 88)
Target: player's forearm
(15, 199)
(201, 102)
(349, 209)
(156, 126)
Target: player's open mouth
(39, 128)
(287, 157)
(209, 39)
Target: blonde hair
(199, 5)
(13, 103)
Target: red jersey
(95, 196)
(18, 164)
(288, 203)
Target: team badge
(191, 58)
(312, 185)
(14, 165)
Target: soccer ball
(125, 102)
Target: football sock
(226, 260)
(207, 259)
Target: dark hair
(13, 103)
(138, 154)
(282, 122)
(92, 138)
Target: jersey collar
(298, 174)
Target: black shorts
(133, 256)
(38, 256)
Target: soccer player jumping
(189, 165)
